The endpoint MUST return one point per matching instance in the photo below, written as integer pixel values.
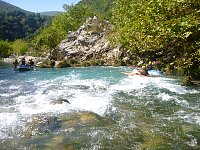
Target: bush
(5, 49)
(97, 62)
(73, 61)
(64, 64)
(85, 64)
(47, 64)
(187, 81)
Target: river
(141, 112)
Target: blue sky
(41, 5)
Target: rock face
(88, 43)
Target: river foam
(100, 90)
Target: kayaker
(143, 71)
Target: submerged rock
(37, 125)
(80, 119)
(73, 129)
(49, 124)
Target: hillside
(6, 7)
(16, 23)
(50, 13)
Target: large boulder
(87, 44)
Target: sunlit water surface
(147, 112)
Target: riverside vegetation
(152, 30)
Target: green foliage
(85, 64)
(5, 49)
(76, 15)
(20, 47)
(187, 81)
(50, 37)
(15, 25)
(101, 8)
(169, 30)
(194, 67)
(97, 62)
(64, 64)
(73, 61)
(150, 24)
(6, 7)
(62, 24)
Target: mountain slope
(6, 7)
(16, 23)
(50, 13)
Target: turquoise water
(146, 112)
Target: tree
(160, 28)
(75, 16)
(151, 24)
(100, 8)
(63, 23)
(50, 36)
(20, 47)
(16, 24)
(5, 49)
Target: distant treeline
(16, 24)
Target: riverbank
(12, 59)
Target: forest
(18, 25)
(168, 31)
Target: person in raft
(31, 63)
(15, 63)
(23, 61)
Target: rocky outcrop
(87, 44)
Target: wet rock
(59, 101)
(49, 124)
(55, 142)
(39, 124)
(63, 100)
(42, 131)
(86, 119)
(87, 43)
